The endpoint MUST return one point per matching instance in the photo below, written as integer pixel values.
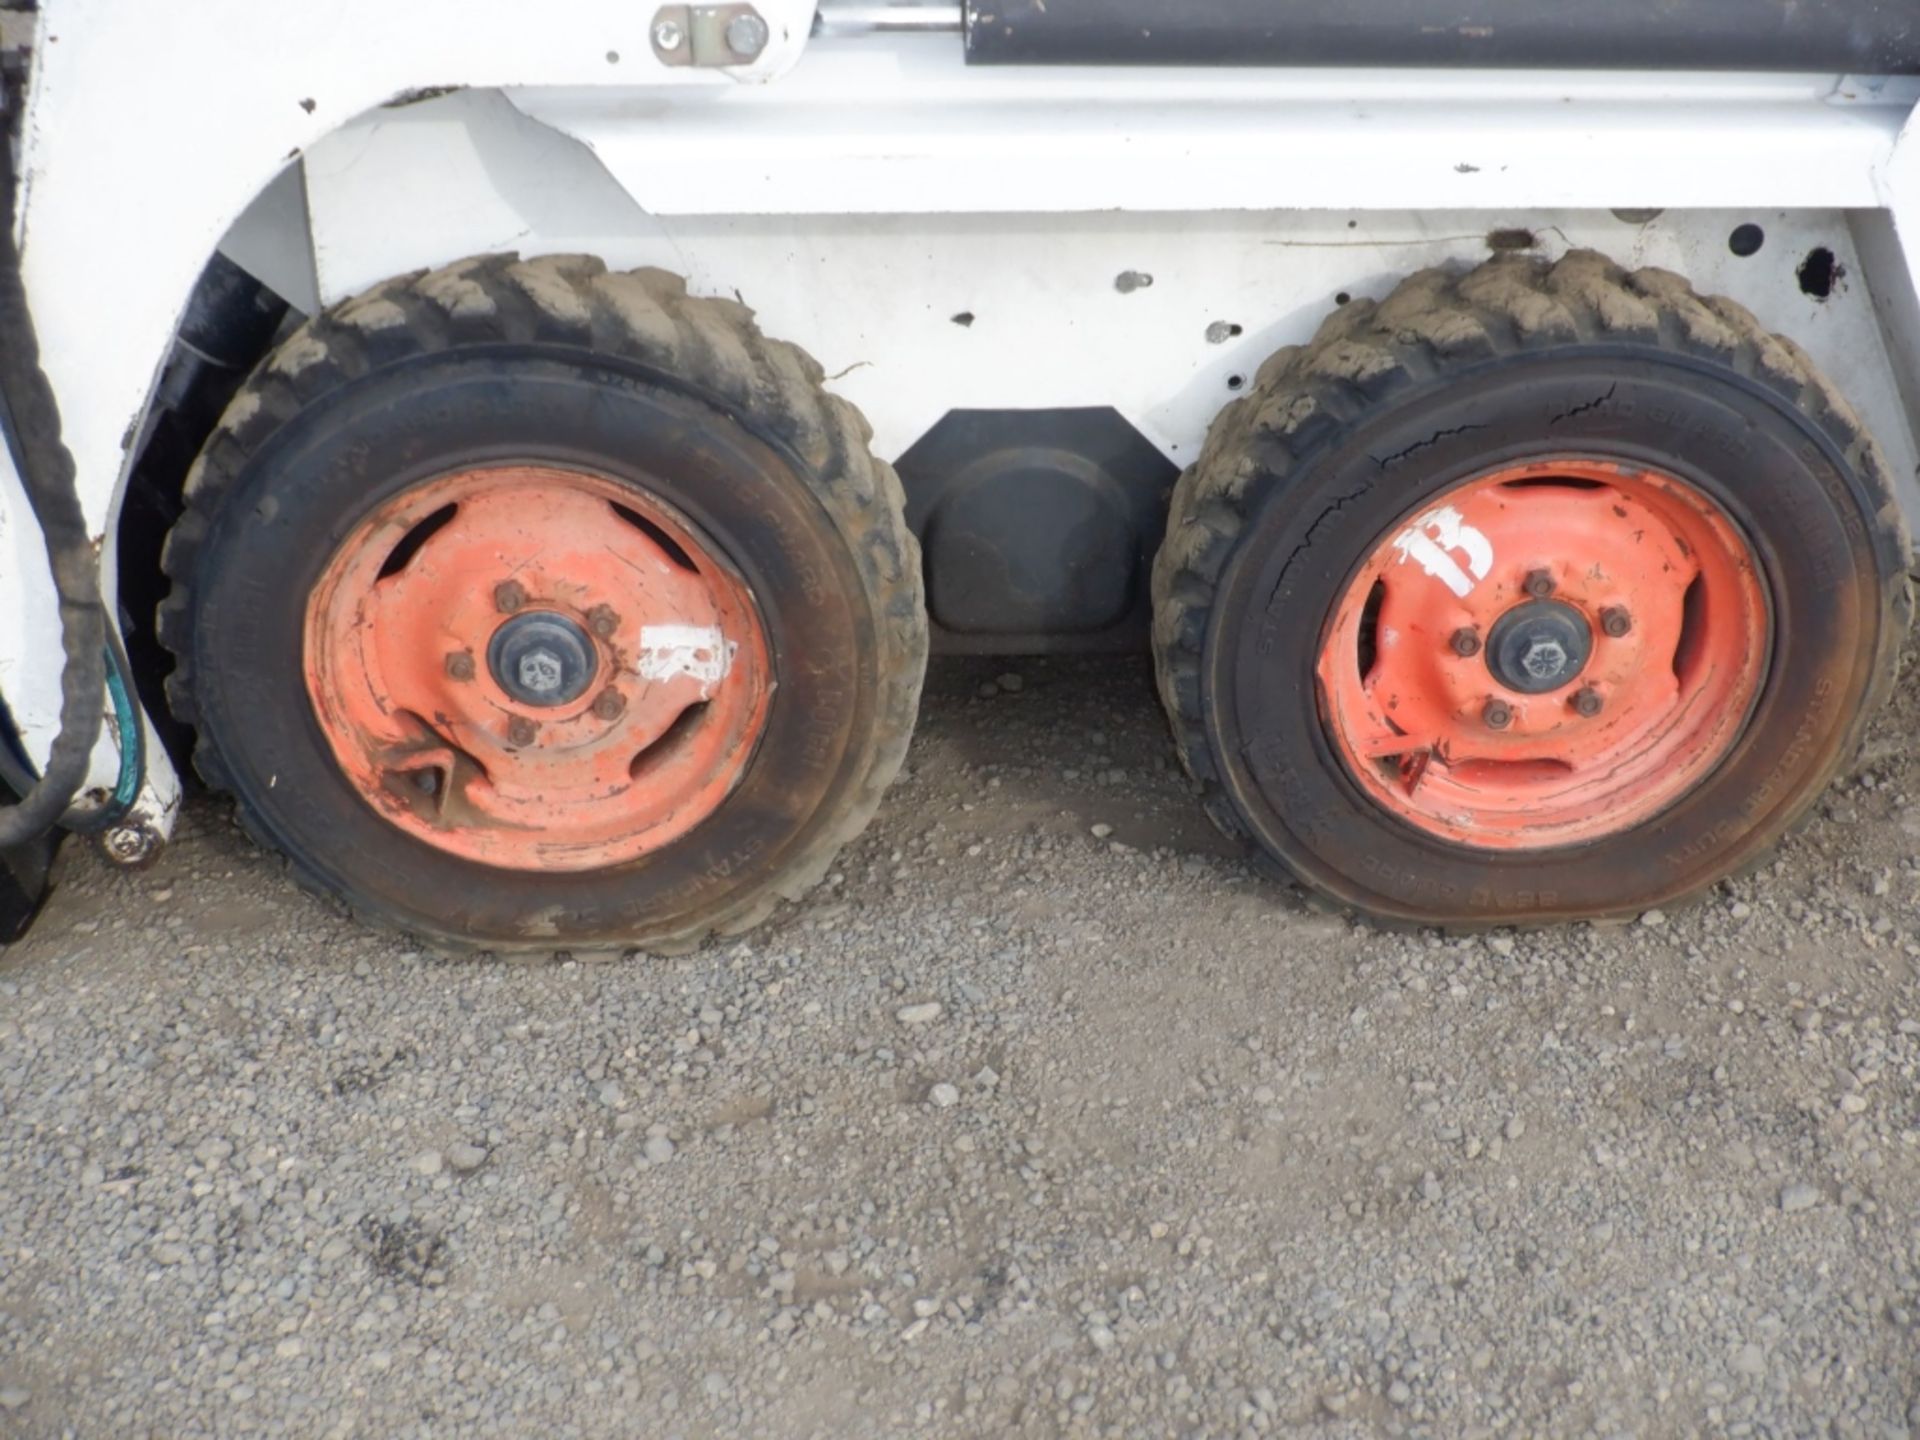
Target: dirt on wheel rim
(537, 668)
(1547, 654)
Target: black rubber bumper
(1868, 37)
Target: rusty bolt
(520, 730)
(460, 665)
(609, 703)
(133, 845)
(1615, 620)
(509, 596)
(1587, 701)
(1538, 584)
(602, 620)
(1465, 641)
(1497, 715)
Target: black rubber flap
(23, 882)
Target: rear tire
(607, 384)
(1345, 446)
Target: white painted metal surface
(876, 189)
(874, 297)
(152, 128)
(928, 134)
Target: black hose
(31, 421)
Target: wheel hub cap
(1539, 646)
(1470, 705)
(542, 659)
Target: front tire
(525, 606)
(1637, 492)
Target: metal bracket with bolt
(709, 36)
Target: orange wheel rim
(1546, 655)
(536, 668)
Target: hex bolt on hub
(460, 665)
(1497, 715)
(521, 731)
(1538, 584)
(609, 704)
(1587, 701)
(602, 621)
(1615, 621)
(1544, 659)
(1465, 642)
(509, 596)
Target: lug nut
(1497, 715)
(1538, 584)
(520, 730)
(608, 704)
(509, 596)
(460, 665)
(602, 621)
(1587, 701)
(1615, 620)
(1465, 641)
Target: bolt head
(509, 596)
(1497, 715)
(521, 731)
(1587, 701)
(609, 704)
(131, 845)
(1544, 659)
(602, 621)
(1615, 621)
(541, 671)
(667, 35)
(1465, 641)
(1538, 584)
(747, 35)
(460, 665)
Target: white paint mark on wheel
(699, 651)
(1430, 540)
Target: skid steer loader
(524, 458)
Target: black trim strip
(1867, 37)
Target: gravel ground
(1024, 1126)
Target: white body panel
(875, 188)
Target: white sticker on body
(699, 651)
(1430, 540)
